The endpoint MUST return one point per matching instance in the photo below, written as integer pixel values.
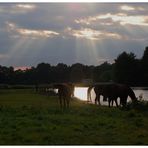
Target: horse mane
(132, 94)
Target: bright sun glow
(86, 33)
(91, 34)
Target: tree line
(126, 69)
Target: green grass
(27, 118)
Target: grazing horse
(113, 91)
(64, 92)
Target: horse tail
(89, 93)
(132, 94)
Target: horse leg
(96, 99)
(116, 102)
(112, 102)
(67, 102)
(99, 100)
(123, 101)
(90, 97)
(64, 101)
(60, 101)
(126, 100)
(87, 96)
(109, 100)
(120, 101)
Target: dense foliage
(126, 69)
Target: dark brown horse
(64, 93)
(98, 95)
(100, 89)
(113, 91)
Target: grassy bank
(27, 118)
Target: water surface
(81, 93)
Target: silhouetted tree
(88, 71)
(6, 74)
(125, 68)
(144, 67)
(103, 72)
(77, 72)
(19, 77)
(43, 73)
(61, 73)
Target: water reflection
(81, 93)
(141, 92)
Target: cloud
(92, 34)
(127, 8)
(3, 56)
(131, 8)
(70, 32)
(17, 8)
(26, 6)
(37, 33)
(17, 31)
(122, 18)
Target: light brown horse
(64, 93)
(89, 93)
(72, 87)
(113, 91)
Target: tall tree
(77, 72)
(125, 68)
(61, 73)
(103, 72)
(43, 73)
(144, 67)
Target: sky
(87, 33)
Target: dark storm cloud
(71, 32)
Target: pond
(81, 93)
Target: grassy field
(27, 118)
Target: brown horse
(71, 88)
(113, 91)
(64, 93)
